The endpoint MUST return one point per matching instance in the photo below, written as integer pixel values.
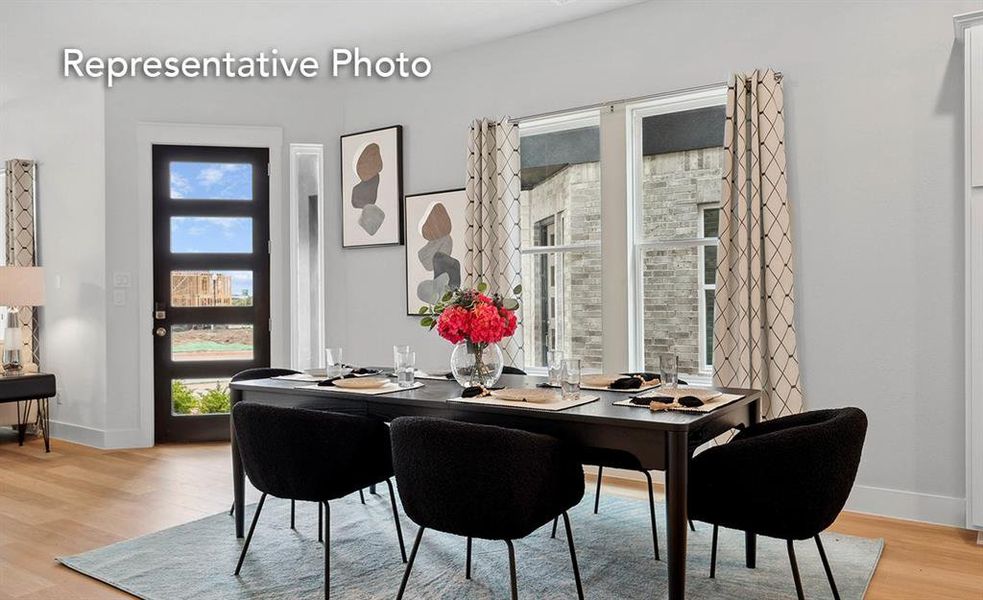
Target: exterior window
(677, 160)
(560, 218)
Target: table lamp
(19, 286)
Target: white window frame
(704, 287)
(3, 235)
(561, 122)
(316, 325)
(635, 112)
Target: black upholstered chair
(312, 455)
(479, 481)
(618, 459)
(787, 478)
(267, 373)
(507, 370)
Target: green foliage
(215, 401)
(183, 399)
(465, 298)
(186, 402)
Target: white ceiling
(295, 27)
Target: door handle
(160, 332)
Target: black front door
(211, 283)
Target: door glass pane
(229, 235)
(200, 396)
(211, 342)
(211, 288)
(211, 181)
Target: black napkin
(330, 382)
(365, 371)
(476, 391)
(626, 383)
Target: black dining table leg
(677, 473)
(238, 475)
(750, 539)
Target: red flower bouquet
(476, 323)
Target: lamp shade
(21, 286)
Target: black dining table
(661, 440)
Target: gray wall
(873, 105)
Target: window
(306, 255)
(659, 233)
(560, 218)
(676, 155)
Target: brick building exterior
(681, 191)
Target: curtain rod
(599, 105)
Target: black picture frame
(395, 235)
(413, 303)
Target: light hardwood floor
(78, 498)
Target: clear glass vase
(476, 364)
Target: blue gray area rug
(614, 549)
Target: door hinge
(270, 324)
(269, 247)
(267, 169)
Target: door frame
(270, 138)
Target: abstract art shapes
(435, 226)
(365, 192)
(371, 219)
(437, 222)
(371, 187)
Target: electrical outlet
(119, 297)
(121, 279)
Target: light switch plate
(119, 297)
(121, 279)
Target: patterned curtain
(18, 241)
(20, 247)
(492, 241)
(754, 323)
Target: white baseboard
(911, 506)
(127, 438)
(896, 504)
(108, 439)
(78, 434)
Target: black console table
(29, 387)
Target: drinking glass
(397, 350)
(669, 370)
(405, 368)
(570, 379)
(333, 366)
(554, 362)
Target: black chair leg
(713, 554)
(573, 556)
(467, 567)
(829, 572)
(597, 490)
(409, 564)
(361, 496)
(555, 521)
(512, 578)
(293, 509)
(795, 571)
(232, 509)
(320, 523)
(249, 536)
(691, 526)
(399, 530)
(655, 529)
(327, 549)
